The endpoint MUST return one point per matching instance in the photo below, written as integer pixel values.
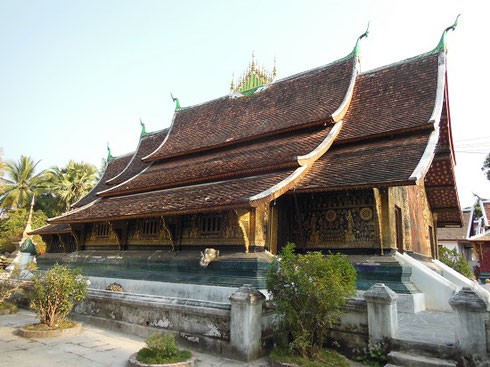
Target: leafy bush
(309, 292)
(55, 293)
(161, 349)
(456, 261)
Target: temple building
(332, 159)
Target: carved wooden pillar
(260, 224)
(383, 216)
(120, 230)
(244, 222)
(63, 243)
(77, 235)
(274, 223)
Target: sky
(75, 75)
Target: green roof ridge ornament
(177, 103)
(357, 47)
(442, 43)
(109, 155)
(143, 129)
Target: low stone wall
(204, 324)
(351, 332)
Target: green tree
(309, 292)
(56, 292)
(486, 166)
(20, 182)
(13, 226)
(456, 261)
(72, 182)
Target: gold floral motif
(366, 214)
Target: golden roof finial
(254, 76)
(274, 71)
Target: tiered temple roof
(330, 128)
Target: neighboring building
(479, 236)
(331, 159)
(457, 238)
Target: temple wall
(213, 229)
(421, 219)
(330, 220)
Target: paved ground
(427, 326)
(94, 347)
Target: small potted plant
(54, 294)
(161, 350)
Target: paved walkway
(94, 347)
(432, 327)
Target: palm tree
(20, 183)
(71, 183)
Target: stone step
(445, 351)
(410, 360)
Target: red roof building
(331, 159)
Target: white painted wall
(461, 281)
(437, 289)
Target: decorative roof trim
(35, 231)
(435, 118)
(281, 187)
(344, 106)
(480, 235)
(484, 213)
(304, 160)
(149, 156)
(470, 222)
(58, 219)
(122, 183)
(111, 181)
(101, 177)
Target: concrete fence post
(382, 312)
(246, 322)
(470, 321)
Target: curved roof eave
(74, 205)
(306, 161)
(435, 119)
(135, 154)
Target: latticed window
(102, 229)
(150, 227)
(210, 223)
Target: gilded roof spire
(177, 103)
(442, 43)
(253, 77)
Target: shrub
(55, 293)
(161, 349)
(456, 261)
(309, 292)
